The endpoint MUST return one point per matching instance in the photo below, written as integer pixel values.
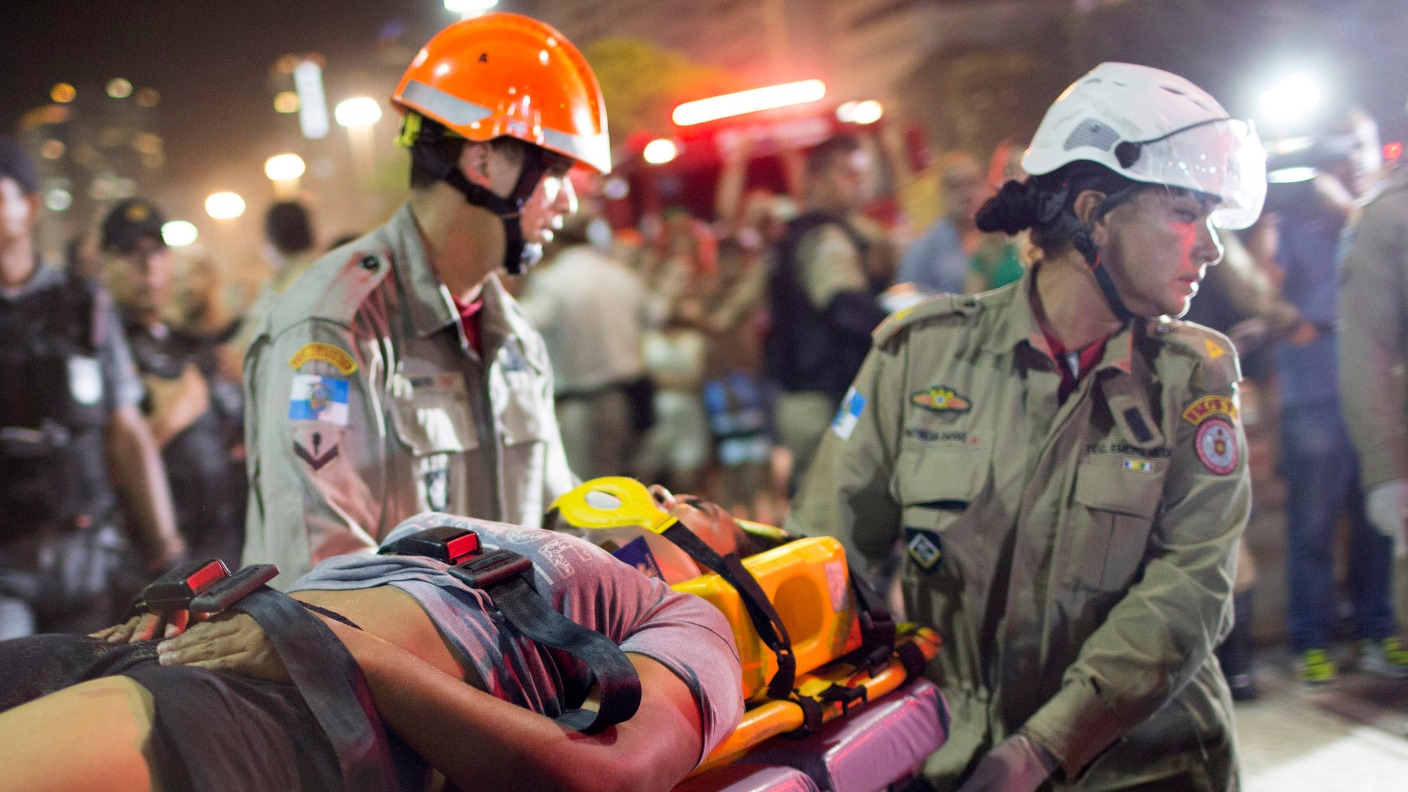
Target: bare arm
(477, 740)
(136, 470)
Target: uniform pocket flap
(1124, 485)
(435, 419)
(942, 480)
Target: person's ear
(1087, 203)
(474, 161)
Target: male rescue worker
(70, 434)
(398, 375)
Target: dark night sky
(209, 60)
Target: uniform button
(369, 262)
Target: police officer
(69, 431)
(398, 375)
(821, 298)
(1063, 463)
(187, 419)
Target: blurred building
(95, 145)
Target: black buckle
(486, 570)
(232, 589)
(446, 543)
(845, 696)
(174, 590)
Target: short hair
(15, 163)
(288, 226)
(821, 157)
(447, 147)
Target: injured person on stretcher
(447, 685)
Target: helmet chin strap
(518, 254)
(1091, 251)
(1082, 241)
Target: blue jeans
(1321, 470)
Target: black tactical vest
(804, 350)
(52, 411)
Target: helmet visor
(1224, 159)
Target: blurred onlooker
(1373, 347)
(997, 258)
(177, 368)
(938, 261)
(822, 299)
(1318, 460)
(681, 267)
(71, 437)
(593, 311)
(734, 396)
(289, 232)
(83, 258)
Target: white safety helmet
(1154, 127)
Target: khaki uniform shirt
(1374, 334)
(365, 406)
(1077, 558)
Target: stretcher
(855, 717)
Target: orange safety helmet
(504, 74)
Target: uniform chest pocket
(938, 489)
(1117, 502)
(435, 418)
(524, 417)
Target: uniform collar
(428, 300)
(1018, 326)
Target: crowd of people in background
(709, 354)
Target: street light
(179, 233)
(358, 116)
(224, 205)
(283, 170)
(469, 8)
(660, 151)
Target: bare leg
(93, 735)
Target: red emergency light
(750, 101)
(1392, 151)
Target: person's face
(1158, 246)
(17, 212)
(140, 280)
(845, 182)
(964, 191)
(551, 200)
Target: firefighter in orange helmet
(398, 376)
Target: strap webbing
(760, 609)
(617, 679)
(332, 685)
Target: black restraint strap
(332, 685)
(760, 609)
(617, 679)
(506, 577)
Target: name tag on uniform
(316, 398)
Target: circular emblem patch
(1216, 444)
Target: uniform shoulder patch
(937, 307)
(332, 354)
(1219, 368)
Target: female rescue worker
(1063, 462)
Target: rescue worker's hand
(1387, 509)
(1014, 765)
(231, 642)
